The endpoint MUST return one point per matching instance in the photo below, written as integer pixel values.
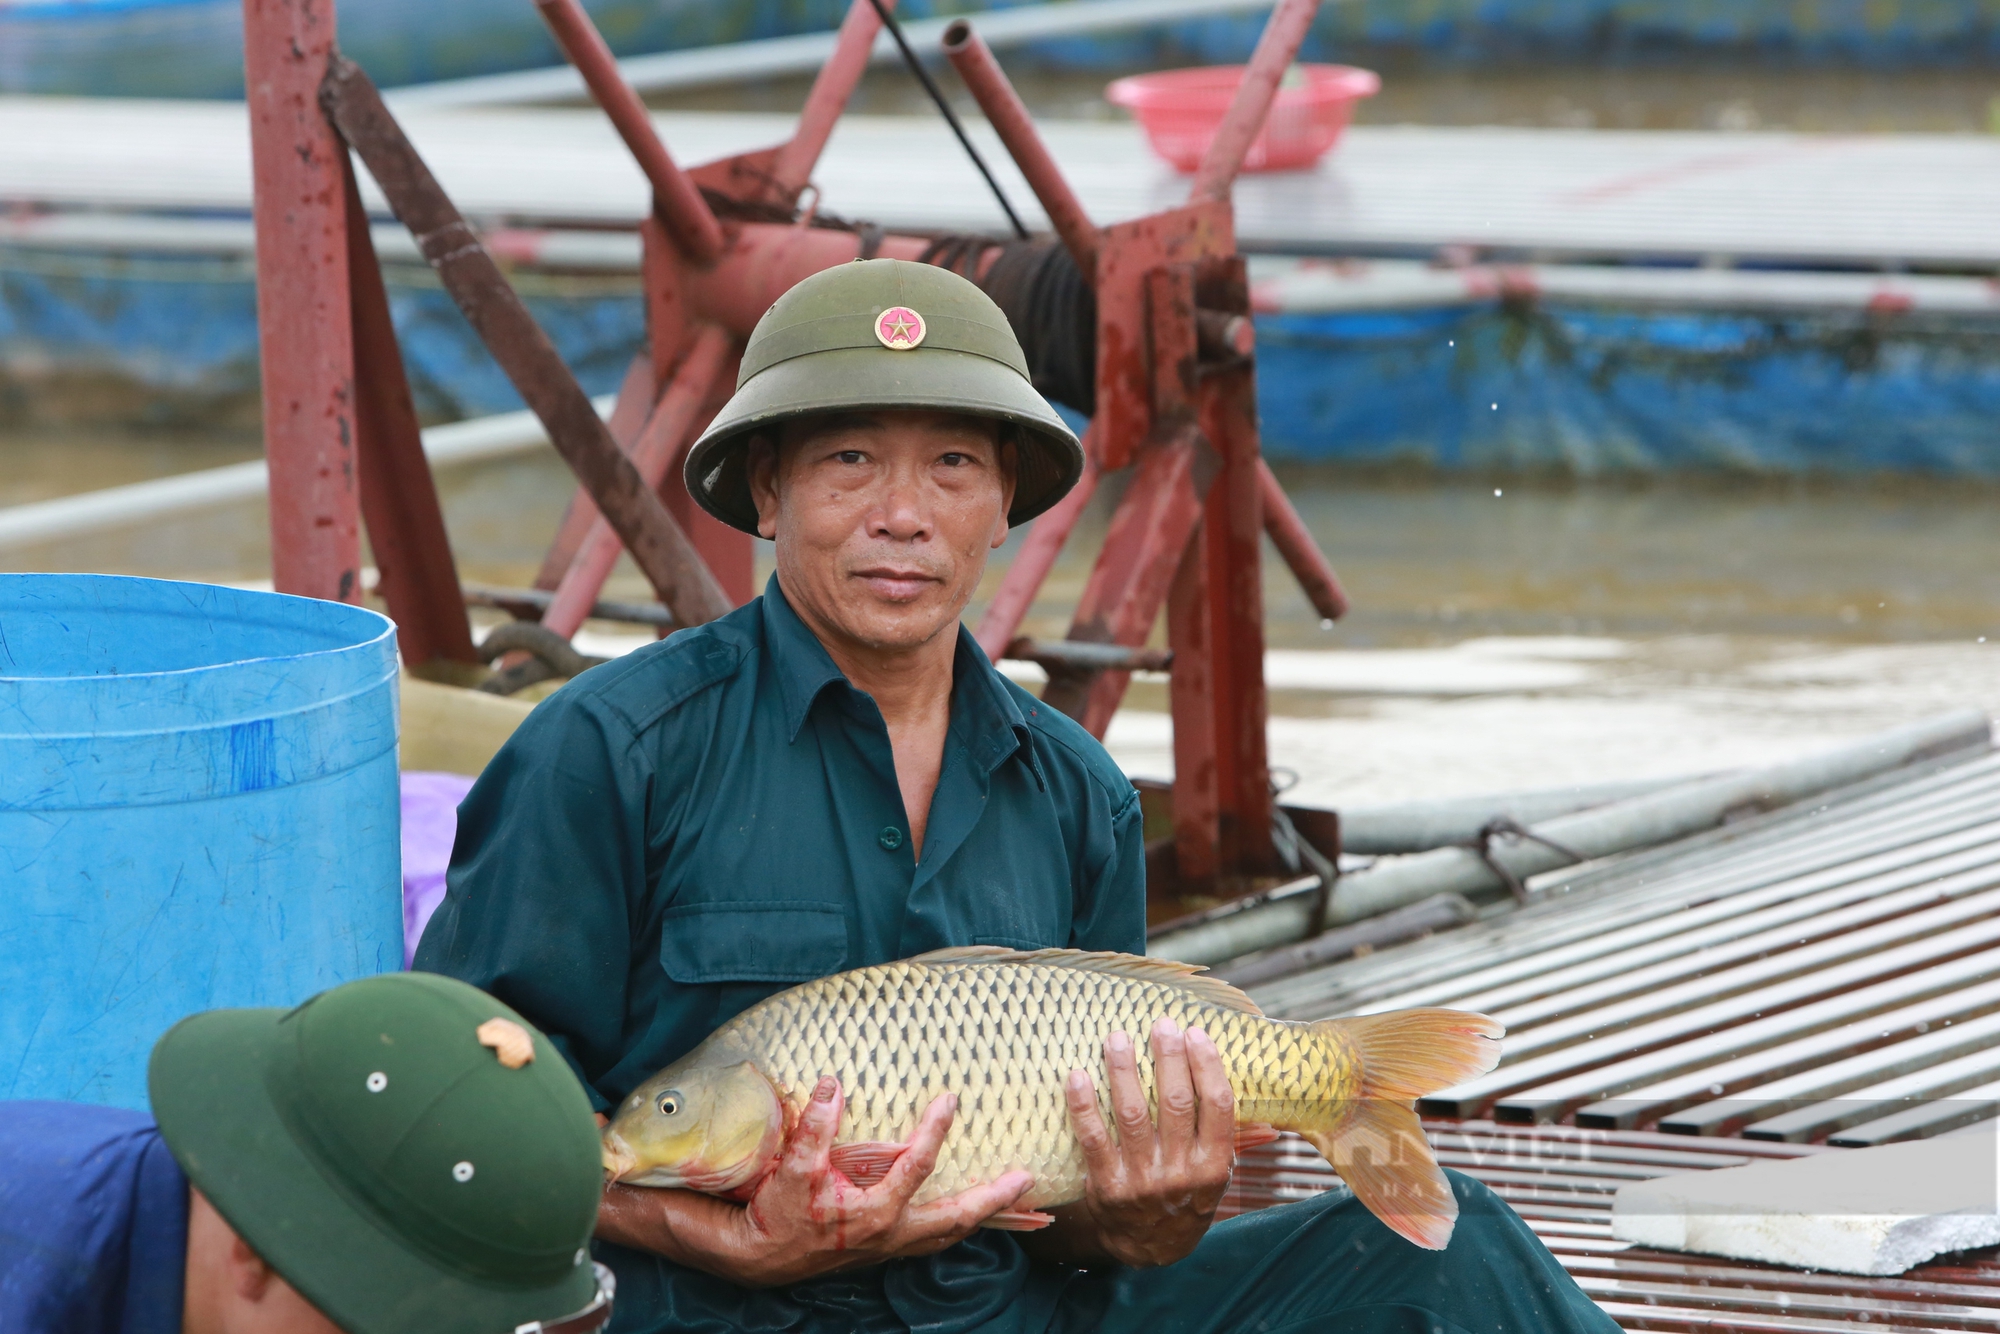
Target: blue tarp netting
(1580, 389)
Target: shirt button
(890, 838)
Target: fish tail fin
(1375, 1141)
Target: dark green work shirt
(676, 835)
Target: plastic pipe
(1435, 913)
(988, 84)
(680, 207)
(169, 497)
(1638, 822)
(1419, 826)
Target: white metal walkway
(1925, 201)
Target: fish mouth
(691, 1176)
(622, 1166)
(618, 1157)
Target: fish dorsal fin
(1187, 977)
(969, 954)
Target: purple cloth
(430, 823)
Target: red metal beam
(1128, 584)
(399, 500)
(1127, 252)
(679, 205)
(658, 546)
(1194, 630)
(304, 330)
(671, 330)
(662, 444)
(988, 84)
(1276, 50)
(1197, 794)
(1294, 541)
(634, 404)
(1231, 532)
(1037, 556)
(766, 260)
(730, 553)
(1215, 626)
(837, 79)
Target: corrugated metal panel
(1562, 1180)
(1832, 971)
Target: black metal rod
(1077, 655)
(950, 116)
(516, 602)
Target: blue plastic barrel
(198, 808)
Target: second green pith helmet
(883, 333)
(405, 1150)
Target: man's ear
(248, 1274)
(1008, 452)
(761, 465)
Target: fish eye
(670, 1102)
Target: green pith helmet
(386, 1149)
(883, 333)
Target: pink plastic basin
(1181, 109)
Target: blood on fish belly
(1001, 1029)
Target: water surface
(1550, 633)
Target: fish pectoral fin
(1254, 1135)
(866, 1162)
(1019, 1220)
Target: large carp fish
(1002, 1029)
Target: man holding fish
(834, 778)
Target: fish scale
(1044, 1021)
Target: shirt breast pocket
(784, 940)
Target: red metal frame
(628, 414)
(415, 572)
(974, 61)
(305, 339)
(676, 202)
(340, 429)
(659, 547)
(656, 453)
(1175, 386)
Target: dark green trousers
(1328, 1264)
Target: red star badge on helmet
(899, 328)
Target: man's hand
(806, 1219)
(1152, 1194)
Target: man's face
(883, 519)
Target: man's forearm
(669, 1223)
